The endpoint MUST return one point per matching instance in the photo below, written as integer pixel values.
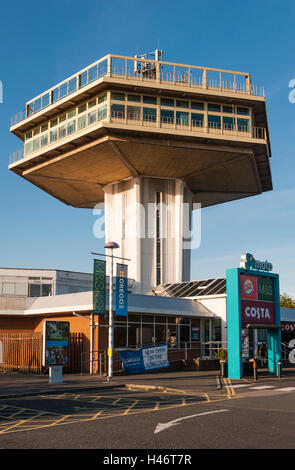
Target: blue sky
(42, 44)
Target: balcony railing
(74, 129)
(142, 70)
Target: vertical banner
(122, 290)
(99, 287)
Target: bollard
(222, 368)
(255, 370)
(279, 369)
(219, 383)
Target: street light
(111, 246)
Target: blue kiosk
(253, 301)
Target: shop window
(172, 336)
(147, 319)
(120, 336)
(217, 329)
(160, 334)
(148, 335)
(134, 340)
(134, 318)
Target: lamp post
(111, 246)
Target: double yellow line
(229, 388)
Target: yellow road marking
(116, 401)
(130, 407)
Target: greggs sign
(257, 299)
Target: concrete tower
(148, 139)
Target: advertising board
(56, 343)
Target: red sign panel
(257, 312)
(248, 286)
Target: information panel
(257, 299)
(56, 343)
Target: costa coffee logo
(260, 312)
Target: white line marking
(241, 385)
(263, 387)
(286, 389)
(161, 426)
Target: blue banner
(145, 359)
(122, 290)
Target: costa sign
(257, 312)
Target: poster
(56, 343)
(145, 359)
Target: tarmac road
(243, 415)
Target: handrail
(194, 126)
(163, 72)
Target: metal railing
(116, 117)
(161, 72)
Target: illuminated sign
(257, 299)
(56, 343)
(248, 262)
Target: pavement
(15, 384)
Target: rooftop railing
(130, 68)
(198, 127)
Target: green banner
(99, 287)
(265, 289)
